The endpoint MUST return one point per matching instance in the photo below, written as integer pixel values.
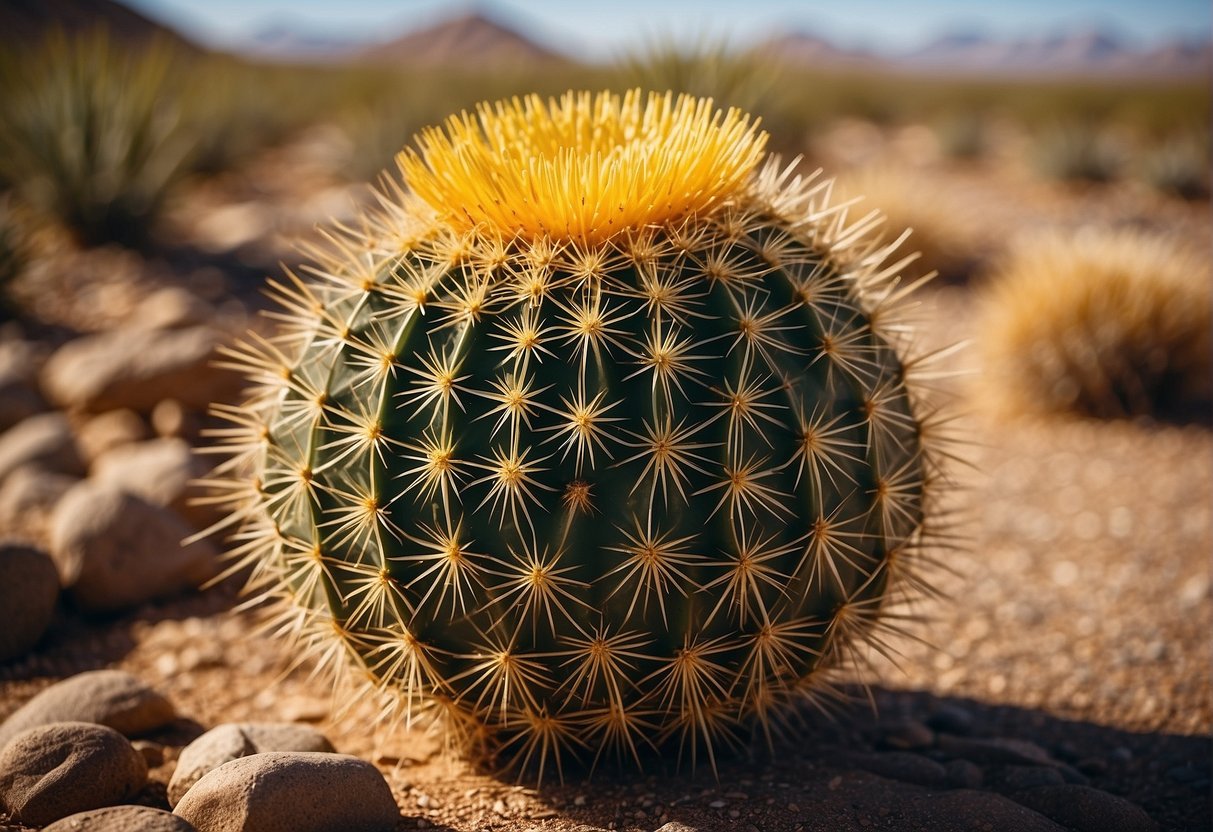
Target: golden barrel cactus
(593, 437)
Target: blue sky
(608, 28)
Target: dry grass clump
(909, 200)
(1100, 323)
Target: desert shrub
(1179, 166)
(1101, 323)
(961, 134)
(88, 134)
(1077, 152)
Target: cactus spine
(594, 439)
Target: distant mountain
(28, 21)
(1082, 52)
(287, 41)
(810, 48)
(1077, 52)
(472, 40)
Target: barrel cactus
(591, 439)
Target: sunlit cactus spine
(592, 439)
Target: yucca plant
(595, 439)
(1104, 323)
(87, 134)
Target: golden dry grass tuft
(1100, 323)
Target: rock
(123, 819)
(44, 441)
(110, 430)
(675, 826)
(29, 496)
(113, 698)
(159, 471)
(903, 766)
(964, 810)
(1085, 809)
(997, 750)
(225, 743)
(19, 396)
(171, 308)
(170, 419)
(136, 369)
(153, 752)
(963, 774)
(1015, 778)
(52, 771)
(115, 550)
(285, 791)
(29, 587)
(906, 735)
(950, 719)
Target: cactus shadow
(842, 773)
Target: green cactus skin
(588, 500)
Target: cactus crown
(585, 168)
(595, 440)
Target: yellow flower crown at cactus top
(584, 167)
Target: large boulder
(115, 550)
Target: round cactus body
(594, 439)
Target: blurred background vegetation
(99, 128)
(131, 157)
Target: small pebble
(950, 719)
(906, 735)
(153, 752)
(994, 750)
